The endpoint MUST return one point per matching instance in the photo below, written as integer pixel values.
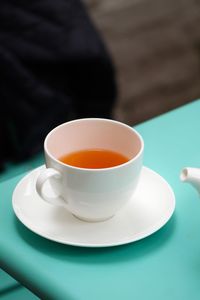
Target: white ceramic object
(151, 207)
(91, 194)
(192, 176)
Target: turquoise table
(166, 265)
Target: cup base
(93, 220)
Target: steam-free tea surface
(94, 159)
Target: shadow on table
(85, 255)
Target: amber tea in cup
(92, 167)
(94, 159)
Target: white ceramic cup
(91, 194)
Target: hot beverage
(94, 159)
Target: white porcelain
(192, 176)
(151, 207)
(91, 194)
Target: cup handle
(49, 173)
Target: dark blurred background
(54, 67)
(129, 60)
(156, 48)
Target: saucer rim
(136, 237)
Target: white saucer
(150, 208)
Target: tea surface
(94, 159)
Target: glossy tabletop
(165, 265)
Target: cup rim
(91, 169)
